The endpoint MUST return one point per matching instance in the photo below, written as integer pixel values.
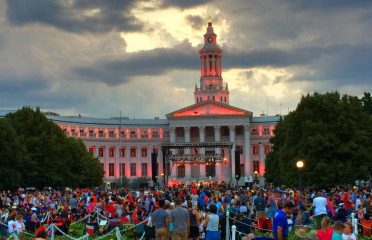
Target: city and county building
(209, 140)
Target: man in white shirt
(320, 209)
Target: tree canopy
(35, 152)
(331, 133)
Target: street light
(255, 176)
(299, 164)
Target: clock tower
(211, 82)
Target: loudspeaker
(154, 165)
(237, 164)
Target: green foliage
(35, 152)
(76, 230)
(122, 182)
(331, 133)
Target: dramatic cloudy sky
(99, 57)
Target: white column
(219, 65)
(202, 150)
(172, 139)
(262, 158)
(217, 138)
(96, 148)
(232, 156)
(127, 161)
(187, 152)
(247, 151)
(105, 161)
(187, 139)
(208, 65)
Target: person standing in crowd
(211, 224)
(280, 224)
(194, 221)
(348, 202)
(160, 219)
(73, 204)
(338, 228)
(181, 221)
(320, 209)
(348, 232)
(259, 205)
(325, 231)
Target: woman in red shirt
(325, 232)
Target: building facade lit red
(124, 145)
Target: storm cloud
(72, 56)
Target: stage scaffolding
(173, 157)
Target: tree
(12, 154)
(331, 133)
(51, 158)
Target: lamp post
(255, 176)
(299, 164)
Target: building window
(242, 169)
(144, 169)
(155, 134)
(111, 152)
(111, 134)
(225, 132)
(132, 134)
(239, 148)
(73, 132)
(214, 98)
(221, 98)
(255, 131)
(255, 149)
(100, 133)
(201, 99)
(267, 149)
(181, 171)
(266, 131)
(91, 151)
(166, 134)
(122, 152)
(100, 152)
(133, 152)
(81, 133)
(111, 169)
(122, 134)
(225, 99)
(144, 152)
(122, 169)
(239, 131)
(144, 134)
(91, 133)
(256, 166)
(132, 169)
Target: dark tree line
(331, 133)
(35, 152)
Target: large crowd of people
(191, 212)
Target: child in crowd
(338, 228)
(348, 232)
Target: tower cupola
(211, 82)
